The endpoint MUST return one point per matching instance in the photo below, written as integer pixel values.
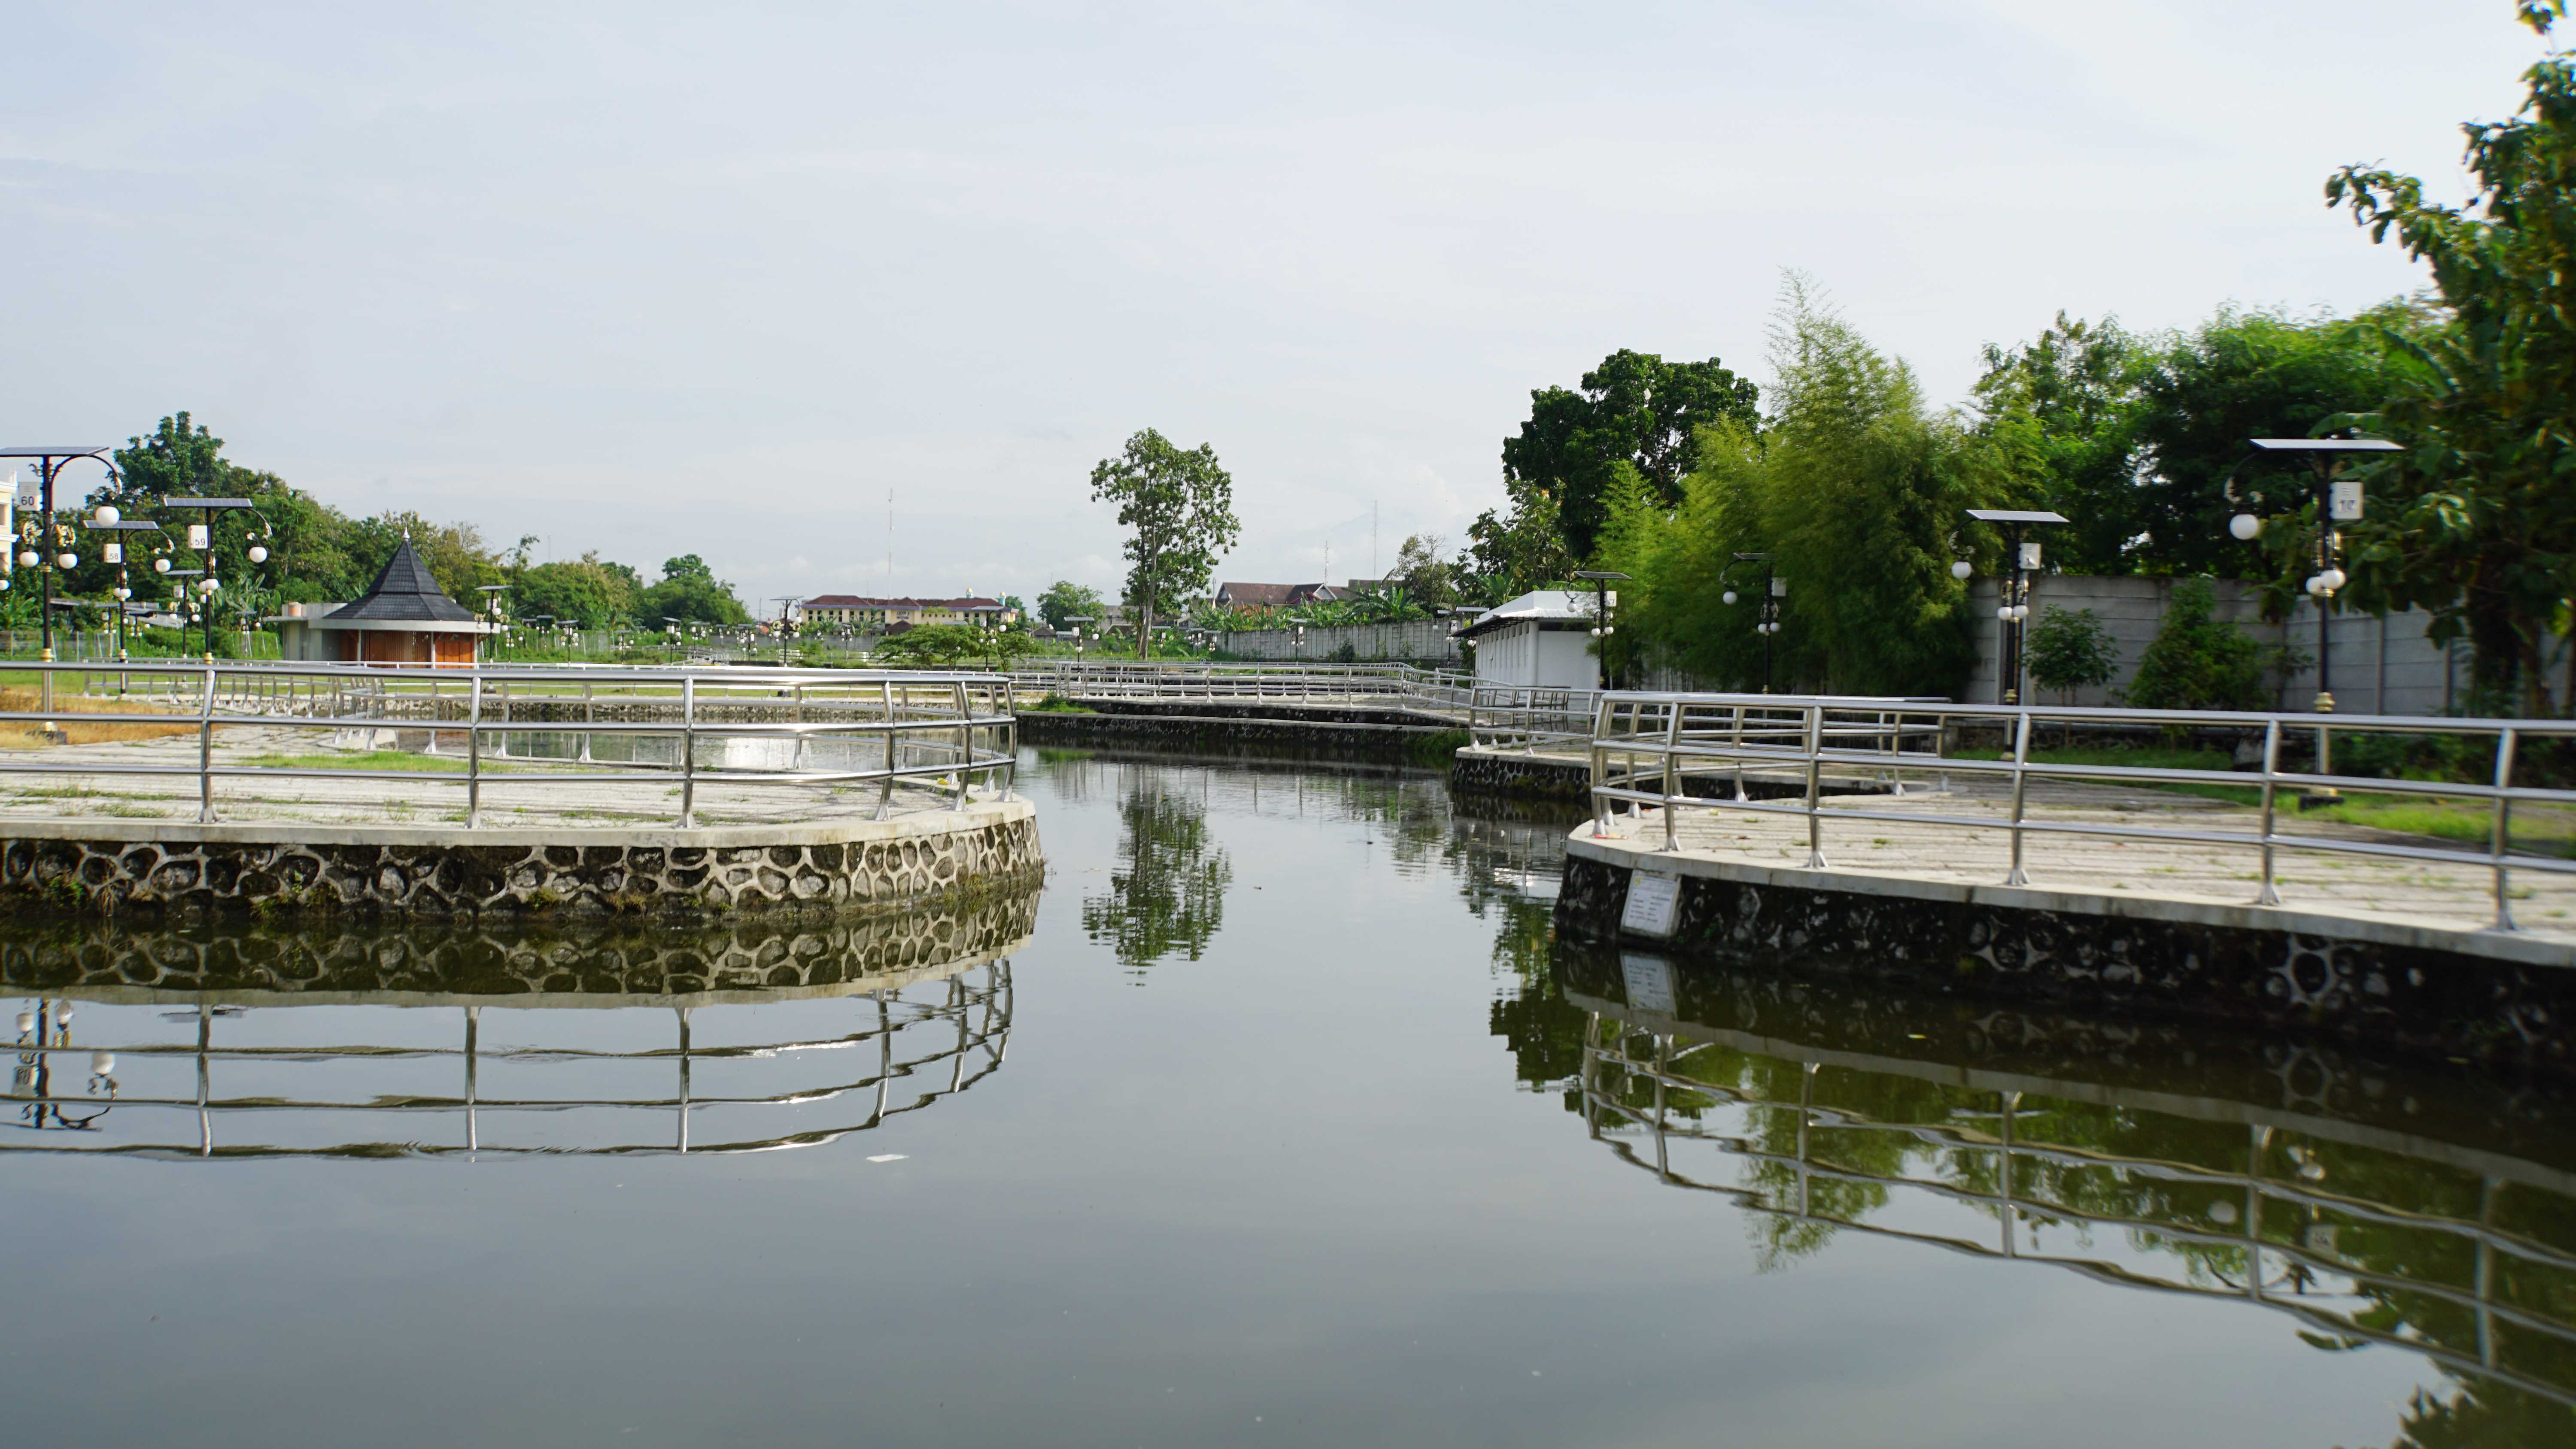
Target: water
(1279, 1118)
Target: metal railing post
(474, 752)
(2020, 795)
(885, 790)
(1672, 795)
(2270, 895)
(965, 743)
(1815, 786)
(2502, 832)
(205, 751)
(689, 752)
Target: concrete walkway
(2120, 875)
(429, 796)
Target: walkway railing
(2433, 1274)
(223, 1095)
(561, 728)
(1531, 719)
(1401, 686)
(1651, 750)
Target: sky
(656, 279)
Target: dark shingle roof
(405, 593)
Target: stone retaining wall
(2444, 1003)
(1328, 734)
(212, 871)
(595, 963)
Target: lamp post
(1603, 601)
(1767, 615)
(2338, 500)
(201, 539)
(2012, 610)
(107, 520)
(41, 543)
(1077, 621)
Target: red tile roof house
(852, 609)
(1249, 597)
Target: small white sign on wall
(1653, 901)
(2344, 500)
(1649, 980)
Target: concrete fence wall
(2379, 665)
(1422, 640)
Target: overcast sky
(655, 279)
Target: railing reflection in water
(720, 1072)
(2466, 1256)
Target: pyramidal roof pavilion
(405, 618)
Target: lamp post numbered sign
(2336, 500)
(2012, 605)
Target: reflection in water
(2370, 1208)
(363, 1044)
(1166, 894)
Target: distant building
(1247, 597)
(1541, 640)
(850, 611)
(406, 618)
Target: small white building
(1541, 640)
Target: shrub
(2070, 650)
(2197, 662)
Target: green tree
(2069, 650)
(689, 590)
(1065, 600)
(934, 646)
(2478, 523)
(1855, 488)
(583, 592)
(1520, 548)
(2133, 438)
(2197, 661)
(1635, 408)
(1179, 507)
(1429, 579)
(1166, 893)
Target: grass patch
(2540, 830)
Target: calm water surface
(1280, 1119)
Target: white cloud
(674, 282)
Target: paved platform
(432, 796)
(2397, 902)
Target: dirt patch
(78, 720)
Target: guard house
(405, 619)
(1541, 640)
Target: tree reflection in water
(1166, 895)
(2375, 1203)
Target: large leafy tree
(2480, 522)
(1635, 408)
(2132, 438)
(585, 592)
(1178, 505)
(689, 590)
(1856, 488)
(1065, 600)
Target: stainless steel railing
(881, 727)
(1648, 749)
(2459, 1292)
(1400, 685)
(879, 1054)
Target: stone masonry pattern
(191, 881)
(2426, 1001)
(600, 957)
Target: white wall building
(1541, 640)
